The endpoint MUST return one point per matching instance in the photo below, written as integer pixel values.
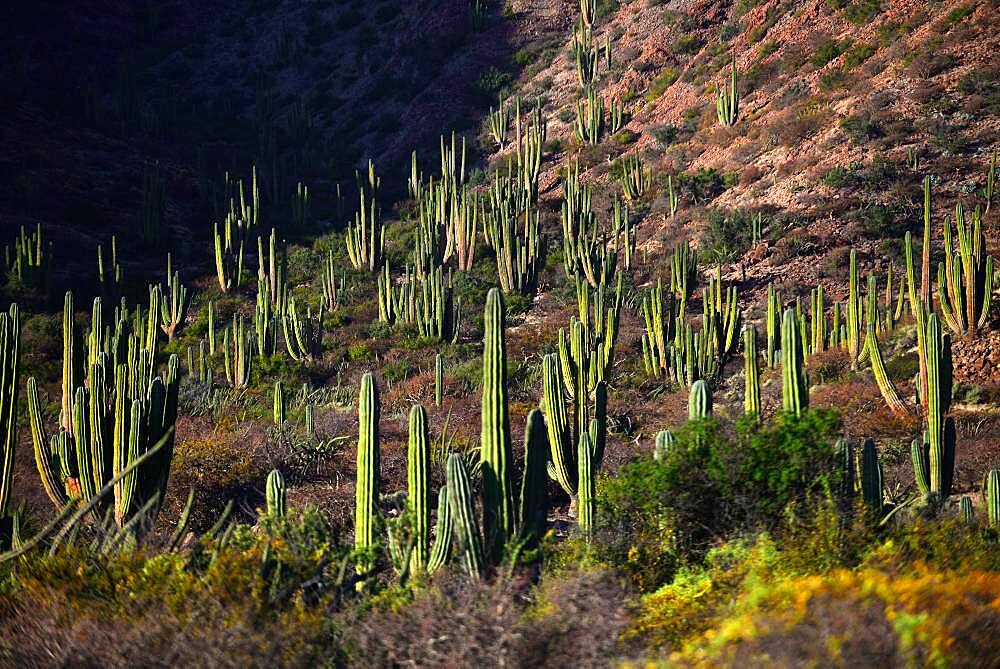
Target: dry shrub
(458, 623)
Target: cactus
(660, 319)
(699, 401)
(773, 325)
(496, 453)
(438, 379)
(991, 492)
(303, 334)
(634, 179)
(418, 462)
(727, 102)
(751, 395)
(211, 327)
(331, 286)
(965, 279)
(497, 122)
(795, 384)
(590, 118)
(854, 313)
(368, 476)
(279, 403)
(872, 491)
(301, 214)
(467, 537)
(441, 549)
(934, 458)
(365, 238)
(874, 355)
(275, 494)
(519, 245)
(10, 333)
(586, 54)
(533, 502)
(173, 304)
(966, 511)
(991, 182)
(586, 486)
(229, 252)
(237, 347)
(662, 445)
(109, 277)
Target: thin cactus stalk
(438, 379)
(279, 403)
(496, 452)
(634, 177)
(874, 355)
(275, 494)
(586, 490)
(966, 511)
(441, 550)
(365, 238)
(368, 474)
(10, 332)
(418, 462)
(751, 395)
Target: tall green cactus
(275, 494)
(872, 491)
(751, 394)
(533, 506)
(727, 102)
(279, 403)
(463, 516)
(438, 379)
(662, 445)
(934, 458)
(496, 452)
(365, 238)
(874, 355)
(441, 549)
(991, 493)
(586, 487)
(795, 383)
(368, 476)
(10, 332)
(418, 486)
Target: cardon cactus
(934, 460)
(991, 491)
(795, 385)
(279, 403)
(586, 488)
(871, 478)
(661, 448)
(699, 401)
(966, 511)
(368, 473)
(10, 331)
(438, 380)
(275, 494)
(418, 463)
(965, 279)
(727, 102)
(751, 394)
(533, 508)
(468, 542)
(496, 452)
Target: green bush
(829, 50)
(662, 82)
(861, 128)
(858, 54)
(727, 235)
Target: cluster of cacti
(332, 286)
(365, 237)
(587, 246)
(965, 278)
(303, 333)
(109, 277)
(29, 260)
(634, 178)
(587, 53)
(661, 321)
(121, 411)
(173, 303)
(727, 102)
(497, 121)
(429, 303)
(721, 318)
(265, 324)
(590, 118)
(10, 332)
(239, 223)
(683, 273)
(271, 272)
(237, 347)
(301, 215)
(519, 244)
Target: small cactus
(275, 494)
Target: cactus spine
(418, 485)
(368, 476)
(496, 452)
(275, 494)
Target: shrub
(858, 54)
(727, 234)
(861, 128)
(687, 44)
(828, 50)
(662, 82)
(665, 134)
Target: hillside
(544, 334)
